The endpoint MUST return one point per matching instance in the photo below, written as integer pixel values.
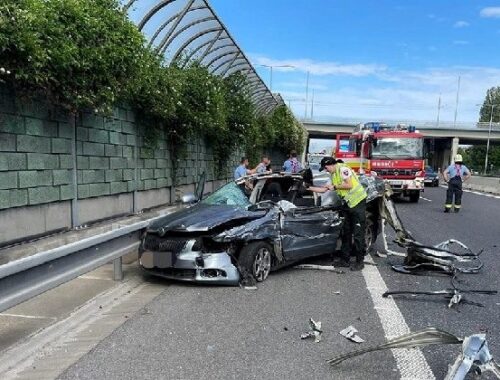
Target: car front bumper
(191, 266)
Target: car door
(307, 232)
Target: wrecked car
(249, 227)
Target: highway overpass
(441, 143)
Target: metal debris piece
(329, 268)
(476, 356)
(350, 333)
(455, 295)
(444, 257)
(314, 333)
(420, 338)
(250, 287)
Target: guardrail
(30, 276)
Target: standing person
(242, 170)
(455, 175)
(264, 165)
(292, 165)
(346, 183)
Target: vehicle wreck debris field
(249, 227)
(475, 356)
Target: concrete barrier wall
(101, 165)
(484, 184)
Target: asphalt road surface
(224, 333)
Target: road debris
(329, 268)
(449, 257)
(475, 354)
(314, 333)
(455, 295)
(421, 258)
(350, 333)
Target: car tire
(256, 258)
(370, 232)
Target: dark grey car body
(204, 242)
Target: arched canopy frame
(191, 29)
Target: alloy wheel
(262, 264)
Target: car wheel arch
(254, 251)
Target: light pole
(489, 135)
(270, 67)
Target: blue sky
(372, 59)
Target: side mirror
(189, 198)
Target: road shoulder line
(57, 347)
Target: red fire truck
(394, 152)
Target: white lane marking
(411, 362)
(476, 192)
(425, 199)
(27, 316)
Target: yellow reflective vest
(352, 196)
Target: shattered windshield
(230, 194)
(394, 147)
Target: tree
(492, 98)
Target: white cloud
(319, 67)
(460, 42)
(409, 95)
(490, 12)
(384, 92)
(461, 24)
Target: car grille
(156, 243)
(188, 274)
(397, 172)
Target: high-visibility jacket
(353, 196)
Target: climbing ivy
(87, 54)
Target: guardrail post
(74, 178)
(117, 269)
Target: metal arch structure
(222, 55)
(192, 30)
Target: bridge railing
(419, 124)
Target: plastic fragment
(350, 333)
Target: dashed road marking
(411, 362)
(425, 199)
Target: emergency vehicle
(393, 152)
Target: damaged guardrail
(30, 276)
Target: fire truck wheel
(414, 196)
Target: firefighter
(455, 175)
(346, 183)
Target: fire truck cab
(393, 152)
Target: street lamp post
(488, 141)
(270, 67)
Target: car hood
(202, 217)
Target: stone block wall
(111, 172)
(35, 153)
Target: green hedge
(86, 54)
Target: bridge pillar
(454, 148)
